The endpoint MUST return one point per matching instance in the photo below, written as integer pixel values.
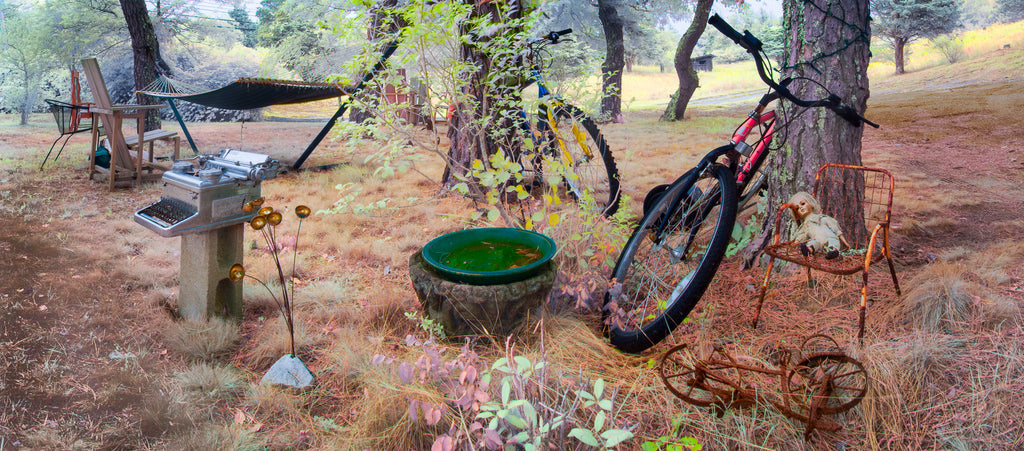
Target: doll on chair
(817, 233)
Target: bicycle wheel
(701, 378)
(589, 165)
(670, 259)
(827, 383)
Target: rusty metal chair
(860, 198)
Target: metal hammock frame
(252, 93)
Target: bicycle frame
(732, 151)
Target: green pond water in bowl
(492, 256)
(489, 255)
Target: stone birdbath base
(496, 310)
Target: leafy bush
(950, 46)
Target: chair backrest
(62, 114)
(858, 197)
(122, 158)
(76, 99)
(96, 84)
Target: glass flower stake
(266, 222)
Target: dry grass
(948, 296)
(946, 361)
(208, 340)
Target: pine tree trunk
(899, 44)
(688, 81)
(485, 122)
(614, 60)
(384, 26)
(145, 52)
(816, 136)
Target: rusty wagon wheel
(826, 383)
(708, 378)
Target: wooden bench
(154, 135)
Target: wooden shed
(702, 63)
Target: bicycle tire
(656, 281)
(596, 173)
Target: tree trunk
(146, 53)
(29, 100)
(614, 60)
(384, 25)
(816, 136)
(484, 121)
(898, 45)
(688, 81)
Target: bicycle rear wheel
(670, 259)
(589, 165)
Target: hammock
(246, 93)
(249, 93)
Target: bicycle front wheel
(583, 152)
(670, 259)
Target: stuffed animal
(817, 232)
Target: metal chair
(69, 122)
(860, 198)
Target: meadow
(94, 357)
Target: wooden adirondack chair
(123, 164)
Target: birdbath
(485, 281)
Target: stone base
(495, 310)
(204, 289)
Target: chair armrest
(121, 108)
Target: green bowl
(489, 255)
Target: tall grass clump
(202, 340)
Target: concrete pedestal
(204, 289)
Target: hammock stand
(252, 93)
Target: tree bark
(384, 25)
(899, 44)
(484, 122)
(614, 60)
(817, 135)
(688, 80)
(145, 52)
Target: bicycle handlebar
(551, 36)
(753, 46)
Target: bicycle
(583, 152)
(674, 252)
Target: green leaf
(506, 391)
(522, 363)
(649, 446)
(605, 404)
(493, 214)
(692, 443)
(737, 231)
(599, 388)
(461, 188)
(515, 420)
(500, 364)
(585, 436)
(599, 421)
(615, 436)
